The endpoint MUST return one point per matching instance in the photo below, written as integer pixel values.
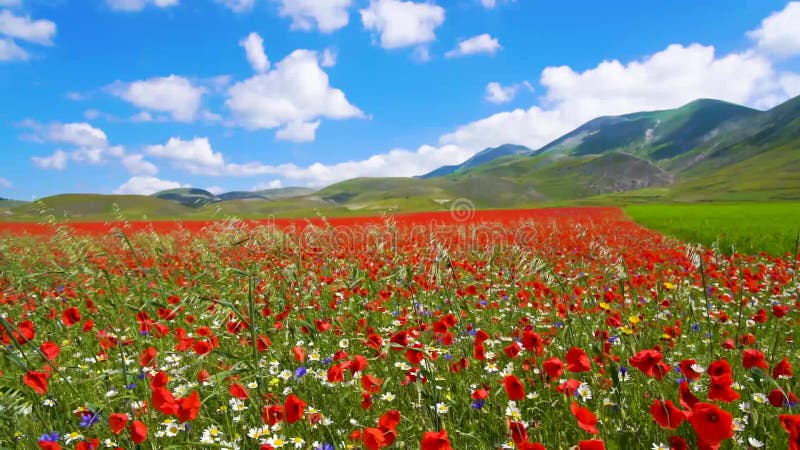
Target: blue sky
(132, 96)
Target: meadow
(747, 228)
(534, 329)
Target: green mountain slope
(482, 157)
(188, 196)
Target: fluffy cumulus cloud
(402, 23)
(272, 184)
(10, 51)
(4, 183)
(147, 185)
(174, 94)
(24, 28)
(136, 165)
(197, 157)
(56, 161)
(667, 79)
(86, 144)
(327, 15)
(497, 93)
(138, 5)
(253, 46)
(291, 97)
(238, 6)
(779, 34)
(490, 4)
(482, 43)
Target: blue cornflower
(478, 404)
(53, 436)
(325, 446)
(327, 360)
(695, 327)
(88, 419)
(300, 371)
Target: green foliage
(743, 227)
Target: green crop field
(743, 227)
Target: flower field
(537, 329)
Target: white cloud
(497, 93)
(142, 117)
(174, 94)
(80, 134)
(329, 57)
(9, 51)
(272, 184)
(297, 90)
(326, 15)
(195, 156)
(146, 185)
(24, 28)
(138, 5)
(238, 6)
(482, 43)
(253, 46)
(670, 78)
(779, 34)
(136, 165)
(56, 161)
(298, 131)
(490, 4)
(402, 23)
(4, 183)
(216, 190)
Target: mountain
(482, 157)
(268, 194)
(707, 150)
(188, 196)
(655, 135)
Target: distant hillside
(707, 150)
(482, 157)
(268, 194)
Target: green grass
(746, 227)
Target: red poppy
(272, 414)
(371, 384)
(719, 368)
(188, 407)
(518, 432)
(435, 440)
(50, 350)
(163, 400)
(687, 399)
(791, 423)
(294, 408)
(678, 443)
(514, 388)
(712, 424)
(577, 361)
(754, 358)
(138, 432)
(92, 444)
(594, 444)
(666, 414)
(71, 316)
(512, 350)
(47, 445)
(720, 389)
(586, 418)
(238, 391)
(649, 362)
(532, 341)
(569, 387)
(779, 398)
(530, 446)
(687, 370)
(201, 347)
(117, 422)
(783, 368)
(36, 381)
(553, 367)
(373, 439)
(389, 420)
(147, 356)
(366, 401)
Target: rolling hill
(707, 150)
